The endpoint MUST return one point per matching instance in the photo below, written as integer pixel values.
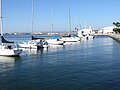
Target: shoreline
(116, 37)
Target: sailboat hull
(55, 42)
(71, 39)
(28, 46)
(9, 52)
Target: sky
(17, 14)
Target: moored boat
(86, 33)
(71, 39)
(55, 42)
(9, 51)
(30, 44)
(7, 48)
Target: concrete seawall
(114, 36)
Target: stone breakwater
(115, 37)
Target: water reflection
(7, 63)
(29, 51)
(54, 48)
(35, 51)
(70, 43)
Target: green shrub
(116, 30)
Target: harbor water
(85, 65)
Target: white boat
(86, 33)
(88, 37)
(71, 39)
(42, 43)
(34, 44)
(5, 48)
(30, 44)
(9, 51)
(55, 42)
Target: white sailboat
(32, 44)
(40, 42)
(54, 40)
(35, 43)
(5, 48)
(70, 38)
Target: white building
(106, 30)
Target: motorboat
(86, 33)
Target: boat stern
(17, 52)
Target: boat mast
(3, 40)
(1, 19)
(51, 21)
(69, 22)
(32, 16)
(79, 25)
(85, 25)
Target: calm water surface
(86, 65)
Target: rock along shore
(115, 37)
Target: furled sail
(35, 38)
(4, 40)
